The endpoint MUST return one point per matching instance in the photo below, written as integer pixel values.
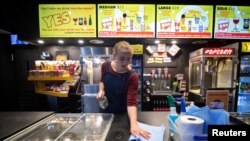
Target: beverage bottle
(183, 106)
(90, 20)
(142, 26)
(246, 23)
(173, 114)
(189, 26)
(80, 21)
(200, 27)
(85, 21)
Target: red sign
(218, 51)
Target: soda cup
(103, 103)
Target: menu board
(126, 20)
(184, 21)
(67, 20)
(232, 22)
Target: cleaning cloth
(157, 133)
(210, 116)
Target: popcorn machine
(211, 69)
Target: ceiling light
(80, 41)
(40, 41)
(199, 42)
(96, 41)
(60, 41)
(174, 42)
(157, 41)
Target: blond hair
(120, 46)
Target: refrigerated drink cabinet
(211, 69)
(243, 91)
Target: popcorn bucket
(223, 25)
(107, 24)
(165, 24)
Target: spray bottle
(173, 115)
(183, 106)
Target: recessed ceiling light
(96, 41)
(40, 41)
(174, 42)
(199, 42)
(80, 41)
(157, 41)
(60, 41)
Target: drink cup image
(177, 25)
(103, 103)
(142, 26)
(223, 24)
(197, 20)
(189, 25)
(138, 19)
(236, 21)
(200, 27)
(165, 24)
(131, 25)
(118, 25)
(107, 23)
(75, 20)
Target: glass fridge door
(136, 64)
(244, 94)
(243, 103)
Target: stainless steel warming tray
(84, 127)
(240, 118)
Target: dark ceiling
(21, 17)
(111, 41)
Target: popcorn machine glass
(211, 69)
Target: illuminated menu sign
(232, 22)
(67, 20)
(126, 20)
(184, 21)
(219, 51)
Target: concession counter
(73, 126)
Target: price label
(137, 49)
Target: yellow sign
(232, 22)
(245, 47)
(184, 21)
(137, 49)
(67, 20)
(126, 20)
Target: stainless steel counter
(240, 118)
(80, 126)
(12, 122)
(120, 129)
(86, 126)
